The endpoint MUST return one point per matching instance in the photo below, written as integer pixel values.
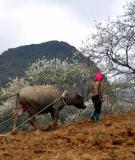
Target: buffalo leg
(20, 111)
(55, 117)
(33, 122)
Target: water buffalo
(34, 98)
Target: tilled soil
(112, 139)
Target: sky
(24, 22)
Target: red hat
(99, 77)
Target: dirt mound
(113, 139)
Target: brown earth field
(112, 139)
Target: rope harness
(7, 120)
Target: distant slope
(15, 61)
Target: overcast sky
(25, 22)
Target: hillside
(113, 139)
(15, 61)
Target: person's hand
(102, 100)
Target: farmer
(97, 96)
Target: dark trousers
(97, 104)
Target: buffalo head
(74, 98)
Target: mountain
(15, 61)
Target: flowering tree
(74, 75)
(112, 45)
